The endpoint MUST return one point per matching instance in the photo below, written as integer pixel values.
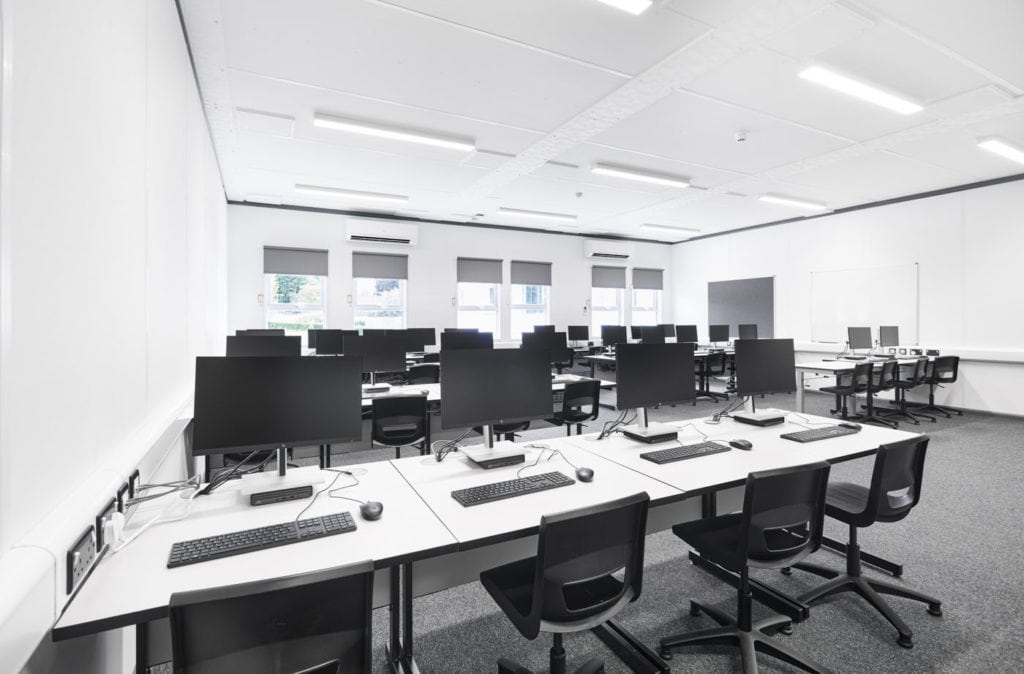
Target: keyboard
(261, 538)
(680, 452)
(519, 486)
(815, 434)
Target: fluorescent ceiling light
(632, 6)
(539, 215)
(670, 228)
(1003, 149)
(336, 193)
(367, 129)
(639, 176)
(790, 201)
(860, 90)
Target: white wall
(968, 245)
(432, 283)
(112, 249)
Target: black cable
(218, 480)
(338, 473)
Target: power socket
(122, 496)
(80, 558)
(101, 519)
(134, 480)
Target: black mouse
(585, 474)
(371, 510)
(741, 444)
(850, 424)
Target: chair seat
(716, 538)
(844, 500)
(511, 587)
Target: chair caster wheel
(935, 609)
(905, 641)
(787, 571)
(665, 654)
(787, 630)
(694, 609)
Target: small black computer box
(280, 495)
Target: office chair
(432, 357)
(424, 373)
(505, 431)
(914, 379)
(942, 371)
(895, 489)
(316, 622)
(712, 365)
(566, 365)
(576, 398)
(781, 522)
(589, 565)
(882, 379)
(850, 384)
(400, 421)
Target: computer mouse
(585, 474)
(849, 424)
(371, 510)
(741, 444)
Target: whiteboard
(871, 296)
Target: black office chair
(424, 373)
(895, 489)
(317, 622)
(914, 378)
(400, 421)
(850, 384)
(505, 431)
(943, 370)
(580, 402)
(566, 365)
(781, 522)
(589, 565)
(433, 357)
(712, 365)
(882, 379)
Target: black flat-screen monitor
(422, 336)
(686, 333)
(747, 330)
(494, 386)
(311, 337)
(462, 329)
(262, 332)
(332, 342)
(466, 340)
(552, 341)
(249, 403)
(649, 374)
(543, 328)
(718, 333)
(889, 335)
(636, 331)
(380, 353)
(579, 333)
(860, 338)
(764, 366)
(373, 332)
(249, 345)
(668, 329)
(613, 334)
(652, 334)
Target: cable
(704, 436)
(610, 426)
(156, 518)
(223, 477)
(338, 473)
(732, 407)
(540, 455)
(447, 446)
(808, 421)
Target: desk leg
(142, 648)
(399, 647)
(800, 391)
(407, 662)
(634, 653)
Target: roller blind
(476, 270)
(380, 265)
(531, 273)
(608, 277)
(647, 279)
(299, 261)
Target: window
(531, 290)
(479, 294)
(606, 307)
(380, 282)
(647, 284)
(295, 289)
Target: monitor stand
(649, 433)
(493, 454)
(755, 418)
(284, 485)
(374, 387)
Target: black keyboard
(496, 491)
(815, 434)
(261, 538)
(680, 452)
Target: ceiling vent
(607, 250)
(380, 231)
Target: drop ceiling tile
(958, 152)
(585, 155)
(575, 198)
(720, 212)
(969, 101)
(259, 121)
(880, 175)
(711, 12)
(830, 27)
(1010, 127)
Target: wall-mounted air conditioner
(607, 250)
(383, 231)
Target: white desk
(832, 367)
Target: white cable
(117, 546)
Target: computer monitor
(249, 403)
(579, 333)
(651, 374)
(262, 332)
(372, 332)
(889, 335)
(747, 330)
(718, 333)
(462, 330)
(311, 337)
(636, 332)
(668, 329)
(543, 328)
(652, 334)
(613, 334)
(859, 338)
(554, 342)
(331, 342)
(466, 340)
(686, 333)
(764, 366)
(259, 345)
(424, 337)
(380, 353)
(482, 387)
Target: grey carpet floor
(963, 544)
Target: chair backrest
(885, 377)
(915, 373)
(859, 378)
(944, 370)
(424, 373)
(577, 554)
(580, 400)
(783, 512)
(715, 363)
(397, 421)
(311, 622)
(433, 357)
(895, 481)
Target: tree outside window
(380, 303)
(295, 302)
(530, 307)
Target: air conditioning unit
(383, 231)
(607, 250)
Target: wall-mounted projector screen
(872, 296)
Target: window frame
(495, 308)
(357, 307)
(546, 304)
